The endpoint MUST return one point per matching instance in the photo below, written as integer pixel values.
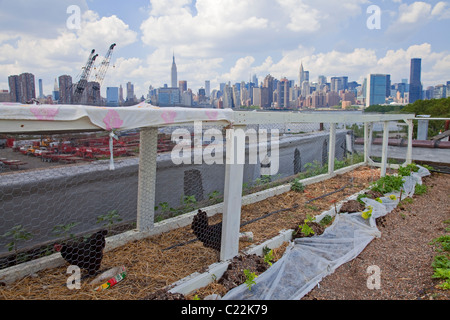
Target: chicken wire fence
(58, 188)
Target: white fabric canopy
(109, 118)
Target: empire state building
(174, 74)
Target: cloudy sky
(224, 40)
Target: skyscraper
(22, 87)
(301, 75)
(174, 74)
(208, 88)
(65, 89)
(415, 85)
(41, 91)
(14, 88)
(55, 92)
(130, 92)
(376, 89)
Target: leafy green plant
(249, 278)
(305, 229)
(326, 220)
(441, 263)
(109, 219)
(268, 255)
(297, 185)
(64, 229)
(387, 184)
(360, 196)
(406, 170)
(188, 202)
(214, 197)
(16, 234)
(420, 189)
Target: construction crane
(100, 76)
(80, 86)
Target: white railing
(232, 200)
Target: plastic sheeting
(308, 260)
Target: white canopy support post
(384, 148)
(147, 179)
(410, 136)
(232, 200)
(332, 148)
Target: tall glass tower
(415, 85)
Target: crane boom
(82, 83)
(100, 76)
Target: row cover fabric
(308, 260)
(114, 118)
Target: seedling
(268, 255)
(297, 185)
(64, 229)
(109, 219)
(16, 234)
(249, 278)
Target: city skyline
(223, 43)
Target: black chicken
(211, 236)
(86, 254)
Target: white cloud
(416, 12)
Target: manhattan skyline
(224, 41)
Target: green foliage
(249, 278)
(268, 256)
(109, 219)
(326, 220)
(438, 108)
(305, 229)
(420, 189)
(64, 229)
(360, 196)
(384, 109)
(441, 263)
(406, 170)
(214, 197)
(297, 185)
(16, 234)
(442, 243)
(388, 184)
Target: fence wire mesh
(58, 188)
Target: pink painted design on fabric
(168, 116)
(212, 115)
(44, 113)
(112, 120)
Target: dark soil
(352, 206)
(316, 227)
(234, 276)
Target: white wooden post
(232, 199)
(147, 179)
(410, 136)
(366, 142)
(384, 148)
(332, 148)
